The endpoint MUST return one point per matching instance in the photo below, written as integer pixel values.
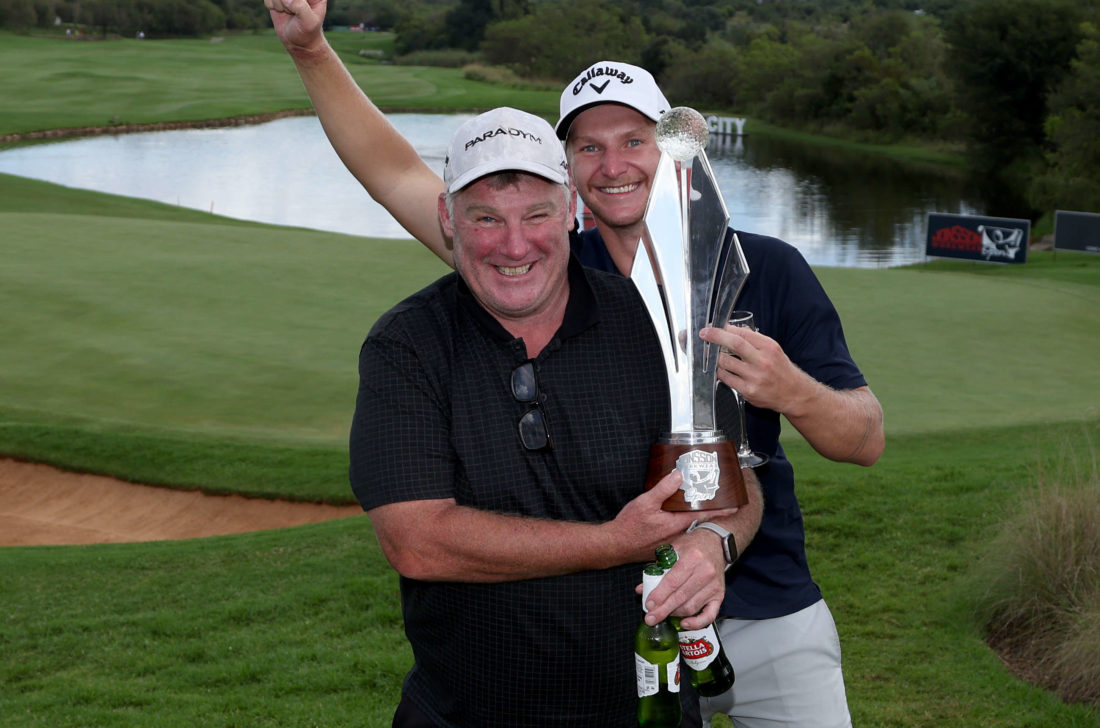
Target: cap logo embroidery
(603, 71)
(510, 131)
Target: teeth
(619, 190)
(514, 271)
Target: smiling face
(511, 246)
(613, 156)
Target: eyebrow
(634, 132)
(547, 206)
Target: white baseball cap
(504, 139)
(611, 82)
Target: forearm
(744, 524)
(842, 425)
(442, 541)
(697, 585)
(376, 154)
(439, 540)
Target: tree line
(152, 18)
(1014, 82)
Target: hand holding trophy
(745, 454)
(689, 269)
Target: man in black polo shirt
(499, 451)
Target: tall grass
(1038, 587)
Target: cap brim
(562, 127)
(471, 175)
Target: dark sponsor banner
(1077, 231)
(994, 239)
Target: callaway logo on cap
(610, 82)
(504, 139)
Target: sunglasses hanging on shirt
(533, 430)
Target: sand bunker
(41, 505)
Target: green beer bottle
(657, 665)
(707, 665)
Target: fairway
(66, 84)
(971, 347)
(175, 347)
(251, 332)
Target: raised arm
(374, 152)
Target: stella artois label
(700, 471)
(699, 647)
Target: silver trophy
(689, 269)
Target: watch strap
(729, 543)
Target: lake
(838, 208)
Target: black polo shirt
(435, 418)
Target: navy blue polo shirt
(772, 577)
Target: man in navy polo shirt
(781, 637)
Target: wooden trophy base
(712, 473)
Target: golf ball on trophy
(682, 133)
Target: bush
(545, 43)
(502, 76)
(706, 76)
(442, 58)
(1039, 599)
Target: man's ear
(445, 216)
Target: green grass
(975, 345)
(61, 83)
(302, 626)
(181, 326)
(891, 547)
(295, 628)
(177, 347)
(64, 84)
(174, 330)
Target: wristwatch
(729, 543)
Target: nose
(613, 163)
(515, 244)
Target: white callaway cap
(504, 139)
(611, 82)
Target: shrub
(502, 76)
(442, 57)
(1039, 587)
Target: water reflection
(837, 207)
(282, 172)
